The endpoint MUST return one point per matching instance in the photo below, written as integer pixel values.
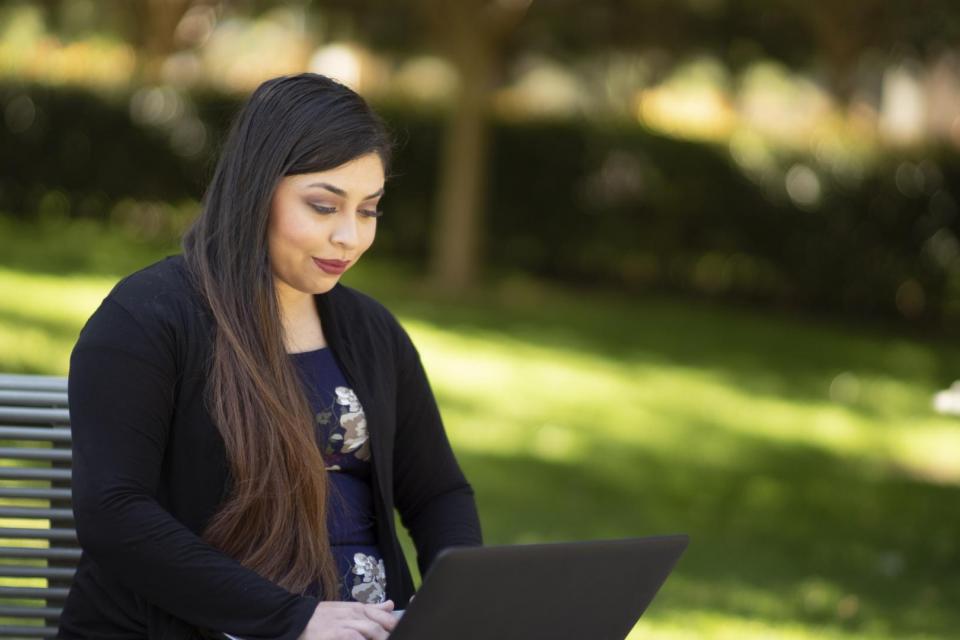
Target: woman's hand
(350, 621)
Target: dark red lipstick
(333, 267)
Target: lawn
(802, 457)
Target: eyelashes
(369, 213)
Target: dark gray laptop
(562, 591)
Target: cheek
(287, 233)
(368, 234)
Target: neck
(300, 320)
(293, 304)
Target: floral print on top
(349, 435)
(344, 441)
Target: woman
(243, 425)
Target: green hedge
(617, 206)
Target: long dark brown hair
(274, 519)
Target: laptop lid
(564, 591)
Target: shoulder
(166, 279)
(155, 302)
(162, 290)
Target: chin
(324, 287)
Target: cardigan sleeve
(122, 393)
(435, 501)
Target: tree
(481, 37)
(471, 34)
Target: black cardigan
(150, 468)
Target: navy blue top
(344, 441)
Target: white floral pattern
(356, 440)
(370, 585)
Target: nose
(344, 233)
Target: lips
(333, 267)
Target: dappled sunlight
(32, 350)
(52, 298)
(41, 316)
(788, 536)
(750, 612)
(706, 624)
(504, 395)
(29, 52)
(928, 450)
(693, 103)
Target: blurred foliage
(607, 204)
(58, 245)
(85, 146)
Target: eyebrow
(341, 192)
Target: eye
(371, 213)
(322, 209)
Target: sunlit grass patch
(41, 316)
(534, 398)
(718, 625)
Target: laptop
(564, 591)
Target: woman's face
(321, 223)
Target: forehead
(359, 177)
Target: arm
(122, 387)
(434, 499)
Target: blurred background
(672, 265)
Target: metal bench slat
(38, 593)
(19, 397)
(52, 553)
(36, 453)
(34, 473)
(32, 382)
(51, 434)
(26, 571)
(14, 533)
(34, 415)
(44, 513)
(36, 493)
(21, 631)
(26, 611)
(34, 411)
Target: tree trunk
(155, 22)
(456, 242)
(473, 34)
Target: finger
(341, 605)
(386, 604)
(370, 629)
(351, 609)
(384, 618)
(339, 610)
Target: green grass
(803, 458)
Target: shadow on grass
(806, 530)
